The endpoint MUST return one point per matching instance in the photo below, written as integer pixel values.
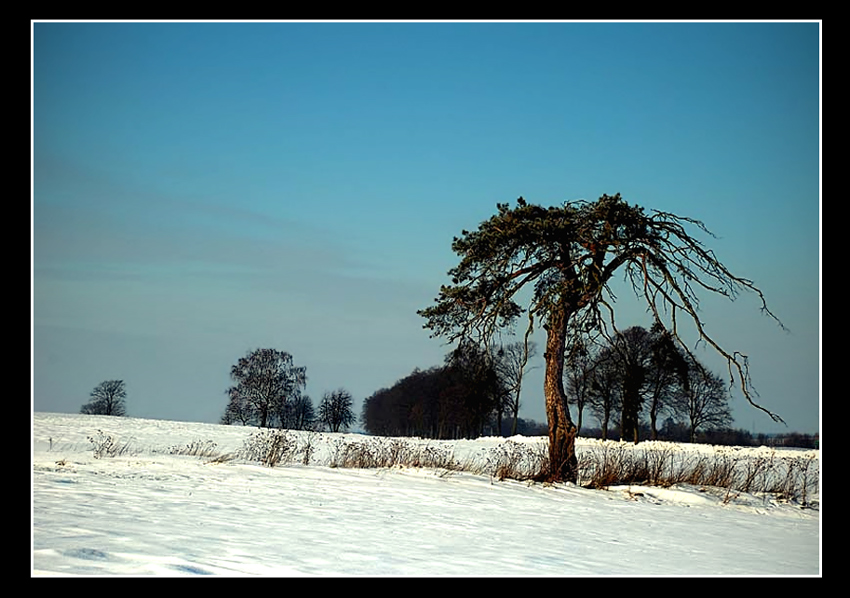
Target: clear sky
(201, 190)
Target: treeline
(677, 432)
(474, 393)
(638, 384)
(640, 378)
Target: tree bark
(563, 464)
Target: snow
(150, 510)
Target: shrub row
(793, 478)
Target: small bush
(269, 447)
(516, 461)
(308, 448)
(196, 448)
(106, 445)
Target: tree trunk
(578, 421)
(563, 464)
(606, 414)
(631, 405)
(653, 416)
(515, 410)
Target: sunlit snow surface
(151, 512)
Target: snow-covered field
(154, 509)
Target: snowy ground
(151, 511)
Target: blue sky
(204, 189)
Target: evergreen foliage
(566, 257)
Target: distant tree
(266, 381)
(299, 414)
(335, 410)
(652, 368)
(637, 371)
(579, 367)
(566, 256)
(674, 430)
(511, 362)
(704, 400)
(524, 427)
(474, 392)
(107, 398)
(461, 398)
(632, 351)
(237, 412)
(410, 407)
(604, 395)
(667, 373)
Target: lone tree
(266, 382)
(107, 398)
(567, 256)
(335, 410)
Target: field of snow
(163, 504)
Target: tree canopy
(567, 255)
(335, 410)
(641, 372)
(463, 398)
(108, 398)
(267, 385)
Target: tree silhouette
(475, 391)
(604, 396)
(457, 399)
(511, 362)
(266, 380)
(566, 256)
(107, 398)
(642, 370)
(703, 400)
(335, 410)
(298, 414)
(579, 377)
(668, 371)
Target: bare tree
(266, 379)
(299, 414)
(567, 256)
(579, 374)
(474, 391)
(646, 368)
(703, 400)
(335, 410)
(604, 397)
(668, 368)
(511, 362)
(107, 398)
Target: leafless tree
(703, 400)
(335, 410)
(266, 379)
(579, 373)
(511, 363)
(107, 398)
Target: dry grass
(787, 478)
(106, 445)
(602, 466)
